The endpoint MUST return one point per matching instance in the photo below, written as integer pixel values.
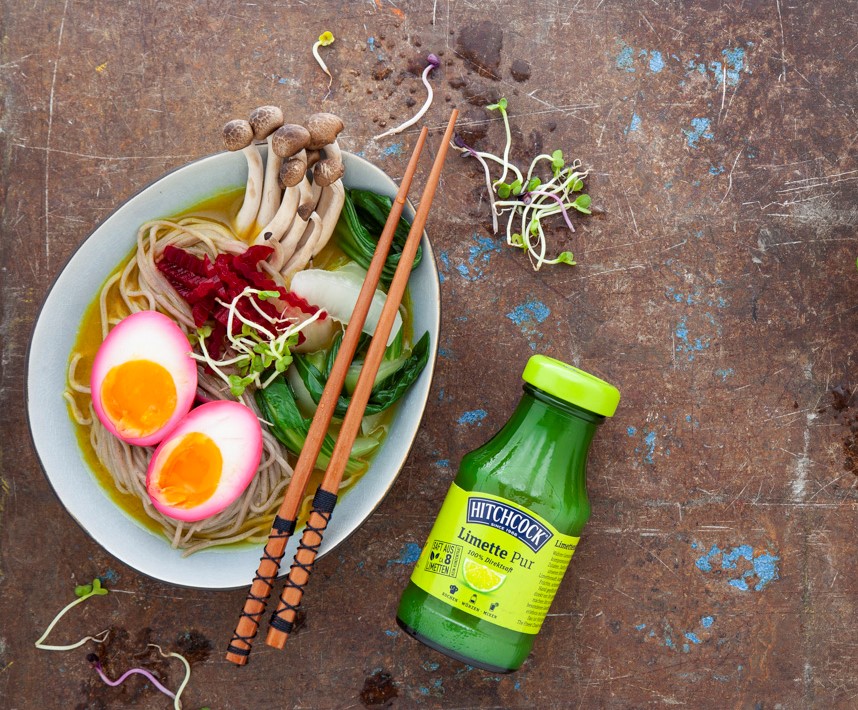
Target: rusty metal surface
(718, 290)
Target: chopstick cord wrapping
(323, 506)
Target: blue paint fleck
(686, 648)
(479, 256)
(444, 352)
(656, 62)
(724, 373)
(528, 312)
(424, 690)
(766, 569)
(651, 633)
(475, 416)
(407, 556)
(649, 441)
(688, 419)
(691, 636)
(640, 627)
(735, 59)
(634, 125)
(707, 621)
(763, 566)
(694, 545)
(686, 344)
(700, 128)
(669, 642)
(517, 685)
(527, 316)
(631, 431)
(716, 170)
(625, 59)
(392, 634)
(394, 149)
(443, 463)
(374, 48)
(110, 576)
(431, 666)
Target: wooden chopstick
(326, 495)
(286, 519)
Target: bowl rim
(429, 372)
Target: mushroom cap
(265, 120)
(289, 139)
(293, 170)
(237, 134)
(324, 128)
(327, 171)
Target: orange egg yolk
(139, 396)
(192, 471)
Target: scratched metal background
(718, 290)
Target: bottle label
(494, 559)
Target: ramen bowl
(54, 432)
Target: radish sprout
(433, 63)
(257, 348)
(461, 145)
(83, 593)
(95, 662)
(527, 198)
(325, 39)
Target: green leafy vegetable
(277, 405)
(360, 225)
(388, 389)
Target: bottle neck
(539, 459)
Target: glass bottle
(509, 524)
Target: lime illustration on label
(494, 559)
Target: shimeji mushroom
(327, 174)
(327, 189)
(287, 145)
(238, 135)
(265, 120)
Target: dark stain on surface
(477, 93)
(842, 401)
(480, 45)
(520, 70)
(195, 647)
(378, 689)
(473, 125)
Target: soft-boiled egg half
(143, 378)
(206, 462)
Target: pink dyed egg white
(206, 462)
(143, 379)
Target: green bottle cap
(572, 385)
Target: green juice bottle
(509, 524)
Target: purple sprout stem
(470, 151)
(539, 193)
(133, 671)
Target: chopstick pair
(325, 499)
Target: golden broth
(89, 338)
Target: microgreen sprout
(432, 63)
(325, 39)
(460, 144)
(95, 662)
(255, 347)
(82, 592)
(529, 200)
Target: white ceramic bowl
(53, 338)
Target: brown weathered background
(718, 290)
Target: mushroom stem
(246, 217)
(271, 189)
(317, 235)
(276, 227)
(291, 234)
